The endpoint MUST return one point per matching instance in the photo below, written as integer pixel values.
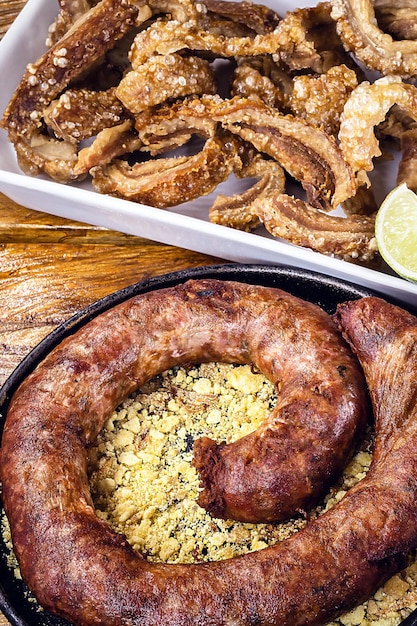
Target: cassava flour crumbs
(144, 486)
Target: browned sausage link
(60, 408)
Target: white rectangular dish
(187, 225)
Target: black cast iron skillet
(327, 292)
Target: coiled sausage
(59, 409)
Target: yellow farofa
(143, 483)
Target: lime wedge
(396, 231)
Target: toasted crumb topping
(142, 479)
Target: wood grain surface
(44, 284)
(9, 9)
(50, 268)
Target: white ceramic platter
(187, 225)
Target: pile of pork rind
(275, 99)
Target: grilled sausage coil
(335, 562)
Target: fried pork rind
(168, 36)
(272, 98)
(399, 19)
(257, 17)
(80, 113)
(109, 144)
(46, 132)
(240, 211)
(171, 76)
(289, 41)
(261, 77)
(362, 203)
(46, 79)
(350, 238)
(376, 49)
(367, 107)
(407, 169)
(306, 152)
(69, 12)
(306, 37)
(320, 99)
(171, 126)
(169, 181)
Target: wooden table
(50, 268)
